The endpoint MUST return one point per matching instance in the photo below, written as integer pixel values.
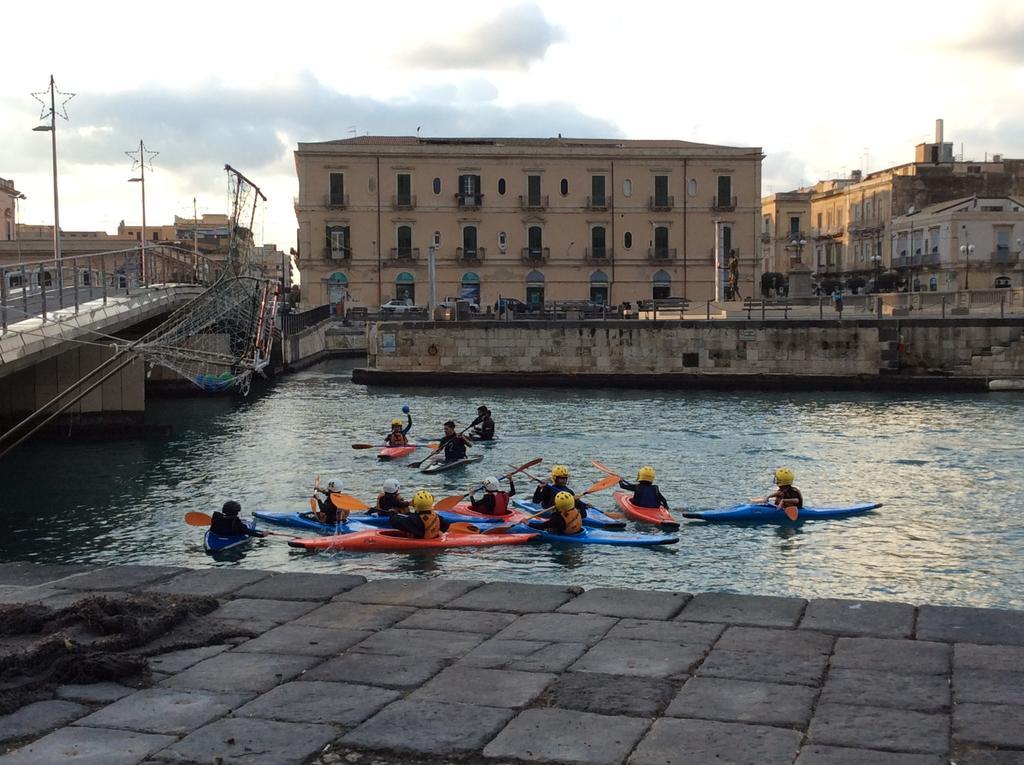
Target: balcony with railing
(829, 232)
(661, 203)
(597, 254)
(1004, 258)
(598, 203)
(336, 201)
(469, 201)
(338, 253)
(661, 254)
(536, 255)
(404, 254)
(403, 202)
(470, 254)
(723, 204)
(533, 202)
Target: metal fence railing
(292, 323)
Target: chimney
(938, 131)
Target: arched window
(469, 287)
(502, 241)
(535, 289)
(599, 288)
(469, 249)
(564, 188)
(437, 185)
(627, 188)
(336, 288)
(404, 242)
(661, 284)
(597, 242)
(627, 240)
(661, 242)
(691, 187)
(501, 186)
(405, 286)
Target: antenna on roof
(352, 130)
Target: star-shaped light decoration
(60, 101)
(142, 156)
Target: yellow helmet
(559, 471)
(646, 473)
(784, 477)
(422, 501)
(396, 423)
(564, 502)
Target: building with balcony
(785, 222)
(535, 219)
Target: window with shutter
(337, 189)
(597, 191)
(661, 191)
(533, 190)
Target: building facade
(785, 223)
(9, 197)
(539, 220)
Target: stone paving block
(836, 755)
(422, 593)
(898, 730)
(768, 641)
(301, 586)
(925, 693)
(565, 735)
(440, 727)
(610, 694)
(177, 661)
(486, 687)
(378, 669)
(496, 653)
(754, 610)
(989, 724)
(258, 614)
(319, 702)
(252, 742)
(120, 577)
(39, 717)
(682, 742)
(988, 757)
(241, 672)
(555, 657)
(971, 656)
(514, 597)
(484, 622)
(990, 686)
(354, 616)
(217, 582)
(88, 746)
(165, 710)
(303, 639)
(566, 628)
(799, 669)
(643, 658)
(904, 656)
(728, 700)
(859, 617)
(28, 574)
(435, 643)
(951, 624)
(96, 693)
(690, 633)
(637, 604)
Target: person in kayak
(787, 495)
(545, 493)
(494, 500)
(226, 523)
(398, 435)
(483, 425)
(330, 513)
(451, 447)
(423, 523)
(645, 491)
(389, 500)
(567, 519)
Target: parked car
(398, 305)
(513, 305)
(450, 302)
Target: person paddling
(787, 495)
(399, 435)
(545, 494)
(389, 500)
(451, 447)
(423, 523)
(330, 513)
(226, 523)
(483, 425)
(494, 500)
(567, 519)
(645, 491)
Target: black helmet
(231, 508)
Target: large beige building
(539, 220)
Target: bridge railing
(291, 323)
(37, 288)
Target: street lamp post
(52, 130)
(140, 163)
(967, 250)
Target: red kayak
(511, 515)
(659, 516)
(395, 452)
(395, 540)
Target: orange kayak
(395, 540)
(395, 452)
(659, 516)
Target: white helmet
(391, 485)
(334, 484)
(491, 484)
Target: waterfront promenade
(332, 668)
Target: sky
(822, 90)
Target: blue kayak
(761, 513)
(356, 521)
(595, 518)
(597, 537)
(215, 543)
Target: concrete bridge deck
(330, 669)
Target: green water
(947, 468)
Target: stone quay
(338, 669)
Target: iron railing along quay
(291, 323)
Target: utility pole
(140, 162)
(52, 130)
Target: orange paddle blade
(198, 519)
(348, 502)
(602, 467)
(313, 505)
(447, 503)
(364, 446)
(791, 512)
(601, 485)
(463, 528)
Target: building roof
(559, 142)
(952, 204)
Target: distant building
(9, 197)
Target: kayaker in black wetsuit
(566, 519)
(451, 447)
(330, 513)
(424, 523)
(494, 500)
(787, 495)
(399, 435)
(645, 491)
(545, 493)
(483, 429)
(226, 523)
(389, 500)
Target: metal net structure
(246, 201)
(220, 339)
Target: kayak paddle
(194, 518)
(601, 485)
(436, 450)
(463, 528)
(431, 445)
(791, 512)
(609, 513)
(449, 502)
